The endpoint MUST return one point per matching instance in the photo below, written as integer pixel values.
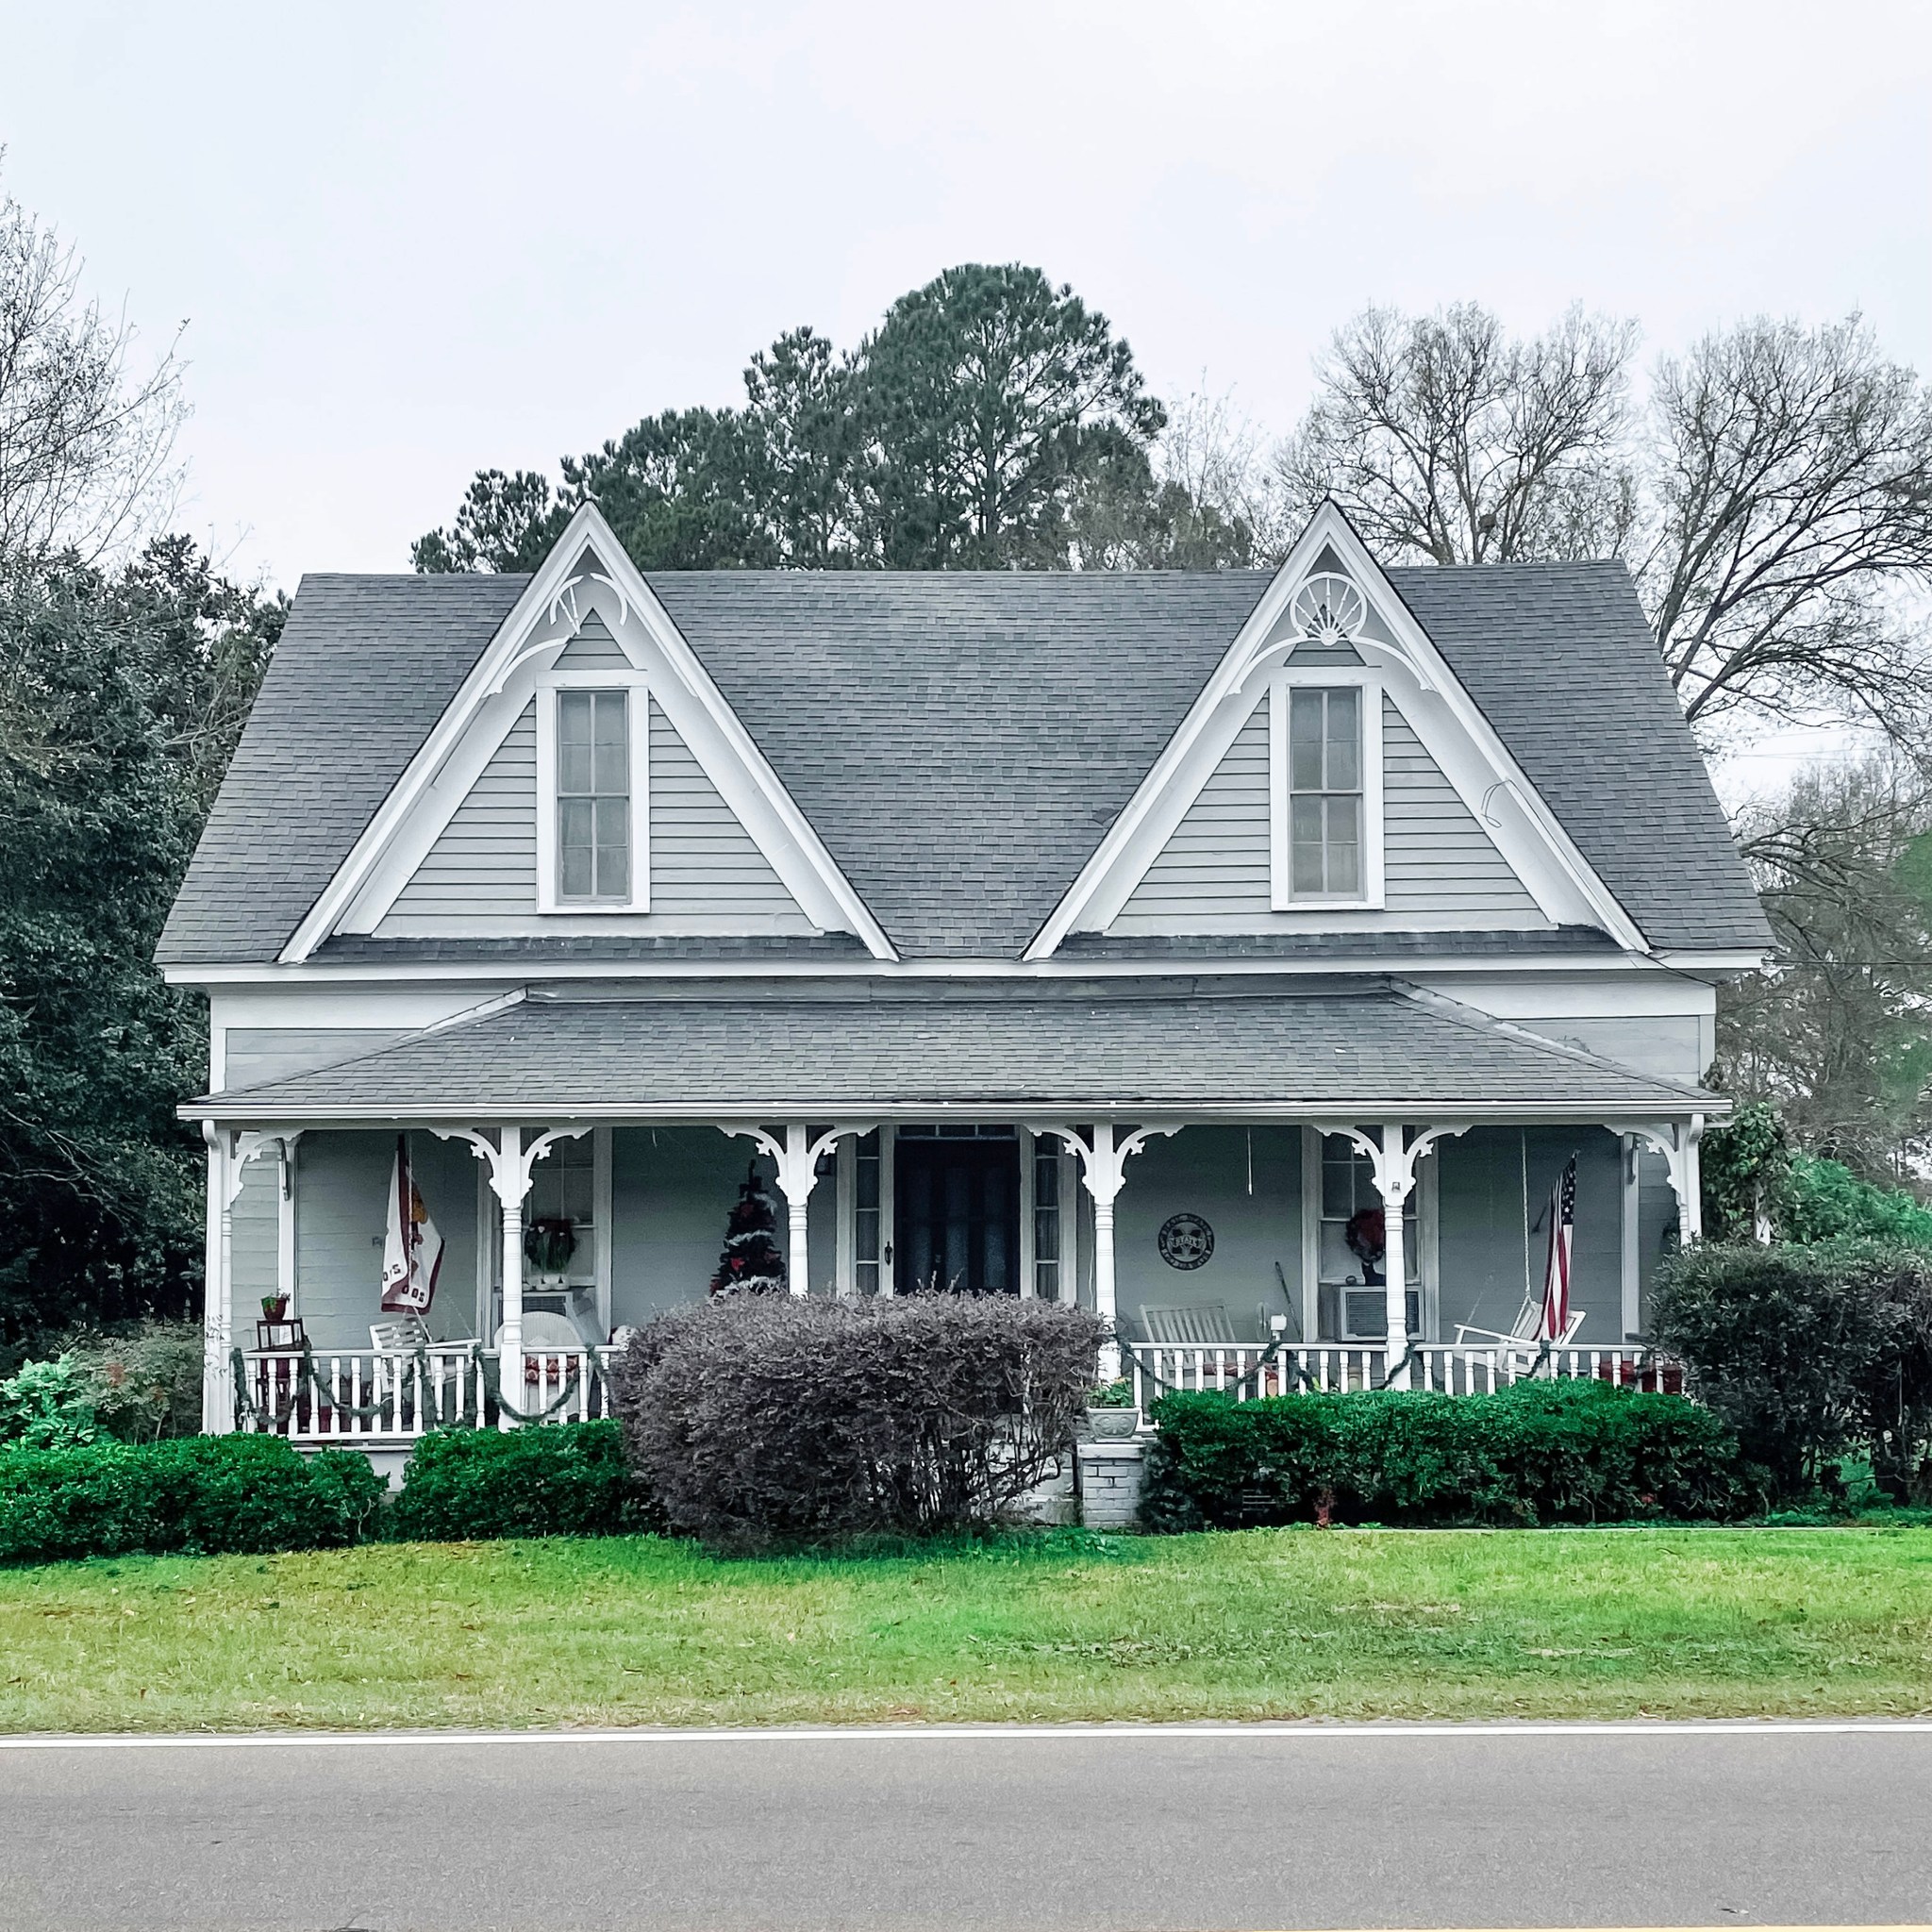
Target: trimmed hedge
(1810, 1354)
(1537, 1452)
(241, 1494)
(568, 1480)
(762, 1421)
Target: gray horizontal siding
(1435, 857)
(593, 649)
(1437, 861)
(485, 860)
(253, 1055)
(256, 1228)
(1216, 862)
(703, 863)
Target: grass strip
(1060, 1626)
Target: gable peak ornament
(1328, 609)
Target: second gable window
(1324, 784)
(593, 797)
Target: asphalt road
(1255, 1829)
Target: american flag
(1555, 1322)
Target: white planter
(1114, 1424)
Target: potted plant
(274, 1307)
(548, 1244)
(1112, 1414)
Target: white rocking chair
(399, 1334)
(1523, 1343)
(1206, 1326)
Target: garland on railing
(489, 1388)
(1254, 1375)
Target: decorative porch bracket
(1103, 1170)
(797, 1159)
(510, 1165)
(1677, 1142)
(1396, 1159)
(230, 1150)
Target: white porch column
(798, 1176)
(511, 1179)
(1395, 1176)
(1103, 1169)
(1104, 1179)
(218, 1289)
(1396, 1159)
(509, 1162)
(230, 1153)
(796, 1157)
(1677, 1142)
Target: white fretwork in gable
(456, 849)
(1455, 838)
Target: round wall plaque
(1186, 1240)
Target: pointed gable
(588, 779)
(1334, 775)
(481, 873)
(1441, 868)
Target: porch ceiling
(1261, 1047)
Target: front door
(956, 1213)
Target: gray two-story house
(1242, 955)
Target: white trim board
(586, 571)
(1445, 719)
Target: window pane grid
(592, 794)
(1325, 802)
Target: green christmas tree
(751, 1263)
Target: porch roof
(1259, 1047)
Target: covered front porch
(1258, 1187)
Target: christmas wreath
(1367, 1235)
(548, 1245)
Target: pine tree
(751, 1263)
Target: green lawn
(1267, 1624)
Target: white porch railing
(363, 1394)
(1245, 1370)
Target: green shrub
(1811, 1354)
(567, 1480)
(247, 1494)
(1826, 1201)
(48, 1406)
(1537, 1452)
(772, 1418)
(145, 1385)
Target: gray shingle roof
(1561, 660)
(710, 1051)
(1540, 942)
(960, 741)
(361, 949)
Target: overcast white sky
(410, 239)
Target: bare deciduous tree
(86, 439)
(1774, 500)
(1449, 441)
(1218, 456)
(1791, 499)
(1840, 1040)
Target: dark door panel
(957, 1216)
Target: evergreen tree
(751, 1263)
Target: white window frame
(638, 721)
(1281, 897)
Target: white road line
(929, 1734)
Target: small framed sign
(1186, 1241)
